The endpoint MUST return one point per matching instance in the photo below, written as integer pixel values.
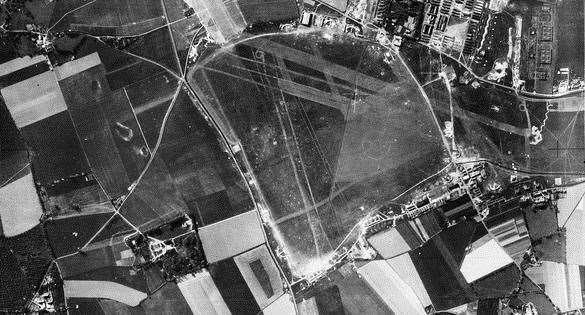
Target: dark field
(437, 263)
(571, 35)
(23, 74)
(512, 147)
(492, 102)
(551, 248)
(55, 157)
(103, 263)
(74, 196)
(150, 100)
(175, 9)
(320, 152)
(68, 235)
(82, 306)
(233, 287)
(537, 112)
(121, 68)
(275, 11)
(24, 259)
(115, 228)
(500, 283)
(157, 46)
(357, 296)
(13, 152)
(155, 200)
(118, 17)
(541, 223)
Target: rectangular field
(571, 35)
(116, 14)
(58, 152)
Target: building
(452, 25)
(399, 18)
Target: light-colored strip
(19, 63)
(76, 66)
(406, 270)
(399, 297)
(574, 294)
(103, 290)
(202, 295)
(319, 64)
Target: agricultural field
(150, 100)
(70, 234)
(119, 17)
(48, 161)
(571, 30)
(167, 300)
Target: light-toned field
(20, 208)
(230, 237)
(572, 216)
(34, 99)
(202, 294)
(391, 288)
(104, 290)
(561, 283)
(19, 63)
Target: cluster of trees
(187, 258)
(16, 39)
